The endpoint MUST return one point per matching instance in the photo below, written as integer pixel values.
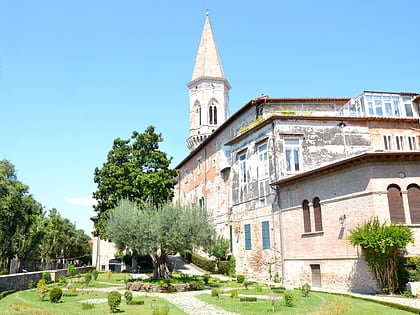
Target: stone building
(286, 178)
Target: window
(411, 142)
(292, 154)
(265, 227)
(413, 194)
(242, 167)
(395, 204)
(198, 111)
(247, 228)
(199, 164)
(213, 113)
(387, 142)
(400, 142)
(408, 106)
(262, 160)
(186, 173)
(306, 216)
(317, 214)
(201, 202)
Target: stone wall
(21, 280)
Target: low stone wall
(21, 280)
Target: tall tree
(17, 209)
(135, 170)
(157, 231)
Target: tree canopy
(135, 170)
(157, 231)
(381, 245)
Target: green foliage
(41, 289)
(240, 278)
(88, 278)
(128, 295)
(71, 270)
(135, 170)
(87, 306)
(135, 302)
(158, 230)
(202, 262)
(232, 266)
(95, 274)
(32, 284)
(3, 271)
(7, 292)
(215, 292)
(160, 310)
(114, 300)
(223, 267)
(63, 281)
(381, 244)
(247, 299)
(206, 279)
(220, 248)
(289, 298)
(198, 284)
(258, 288)
(305, 289)
(46, 276)
(55, 295)
(234, 294)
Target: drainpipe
(283, 270)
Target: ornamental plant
(55, 295)
(381, 245)
(114, 300)
(41, 289)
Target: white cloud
(85, 201)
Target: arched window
(413, 193)
(213, 113)
(395, 204)
(306, 216)
(198, 112)
(317, 214)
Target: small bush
(71, 270)
(32, 284)
(46, 276)
(198, 284)
(7, 292)
(69, 294)
(202, 262)
(41, 289)
(55, 295)
(135, 302)
(306, 288)
(240, 278)
(72, 288)
(87, 278)
(258, 289)
(289, 298)
(248, 299)
(128, 296)
(109, 275)
(206, 279)
(223, 267)
(114, 300)
(87, 306)
(215, 292)
(95, 274)
(63, 280)
(3, 271)
(160, 310)
(233, 294)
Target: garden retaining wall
(21, 280)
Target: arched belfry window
(317, 214)
(306, 216)
(213, 113)
(413, 194)
(395, 204)
(198, 112)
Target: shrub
(55, 295)
(306, 288)
(88, 278)
(63, 280)
(109, 275)
(32, 284)
(7, 292)
(3, 271)
(197, 284)
(114, 300)
(248, 299)
(233, 294)
(206, 279)
(258, 289)
(95, 274)
(202, 262)
(87, 306)
(232, 266)
(72, 288)
(240, 278)
(128, 296)
(71, 270)
(41, 289)
(215, 292)
(223, 267)
(187, 255)
(135, 302)
(46, 276)
(289, 298)
(160, 310)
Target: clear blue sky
(76, 74)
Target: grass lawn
(316, 303)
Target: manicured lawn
(316, 303)
(28, 303)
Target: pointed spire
(207, 62)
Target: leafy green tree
(157, 231)
(381, 245)
(17, 210)
(135, 170)
(220, 248)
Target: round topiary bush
(55, 295)
(95, 274)
(114, 300)
(128, 296)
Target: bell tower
(208, 90)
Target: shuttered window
(306, 216)
(247, 228)
(317, 214)
(395, 204)
(265, 227)
(413, 193)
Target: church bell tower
(208, 90)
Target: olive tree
(158, 230)
(381, 245)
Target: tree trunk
(134, 263)
(160, 265)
